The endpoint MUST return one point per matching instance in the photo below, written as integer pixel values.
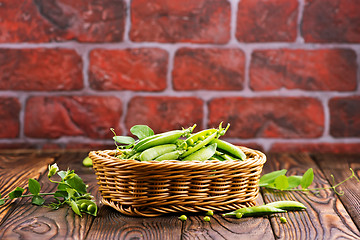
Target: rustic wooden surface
(328, 215)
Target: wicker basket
(158, 187)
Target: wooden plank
(227, 227)
(339, 166)
(32, 222)
(110, 224)
(15, 172)
(325, 216)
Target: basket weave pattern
(154, 188)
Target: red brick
(331, 21)
(202, 21)
(130, 69)
(54, 117)
(316, 147)
(268, 117)
(40, 69)
(267, 21)
(9, 117)
(21, 145)
(165, 113)
(77, 146)
(194, 69)
(345, 116)
(62, 20)
(323, 70)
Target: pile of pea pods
(184, 145)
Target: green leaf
(268, 178)
(16, 193)
(62, 194)
(37, 200)
(307, 178)
(77, 183)
(62, 187)
(34, 186)
(2, 202)
(70, 192)
(294, 181)
(124, 140)
(281, 182)
(141, 131)
(75, 207)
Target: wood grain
(325, 216)
(110, 224)
(32, 222)
(227, 227)
(340, 169)
(15, 172)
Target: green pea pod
(287, 205)
(202, 154)
(203, 138)
(161, 139)
(199, 145)
(174, 155)
(229, 148)
(154, 152)
(255, 211)
(87, 206)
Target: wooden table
(328, 216)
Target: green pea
(83, 206)
(207, 219)
(238, 215)
(210, 213)
(283, 220)
(91, 209)
(87, 162)
(183, 217)
(190, 142)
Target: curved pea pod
(203, 138)
(230, 148)
(203, 154)
(287, 205)
(255, 211)
(154, 152)
(174, 155)
(161, 139)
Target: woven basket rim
(259, 158)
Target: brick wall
(284, 73)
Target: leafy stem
(278, 181)
(71, 190)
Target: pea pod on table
(267, 209)
(255, 211)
